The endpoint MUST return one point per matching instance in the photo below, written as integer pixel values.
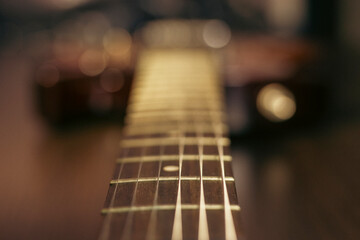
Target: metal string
(107, 221)
(130, 216)
(230, 232)
(177, 227)
(153, 217)
(203, 231)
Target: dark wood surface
(53, 185)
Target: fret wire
(173, 96)
(154, 120)
(166, 111)
(172, 76)
(186, 82)
(168, 107)
(161, 101)
(190, 112)
(172, 178)
(158, 80)
(153, 129)
(159, 87)
(174, 70)
(194, 91)
(153, 76)
(198, 102)
(143, 69)
(176, 79)
(162, 121)
(115, 210)
(173, 73)
(150, 76)
(155, 158)
(207, 141)
(184, 124)
(173, 81)
(176, 96)
(144, 92)
(144, 95)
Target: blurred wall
(349, 29)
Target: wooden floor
(53, 185)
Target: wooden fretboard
(173, 178)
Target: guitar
(173, 177)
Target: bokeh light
(117, 41)
(168, 33)
(286, 16)
(93, 62)
(186, 33)
(276, 103)
(216, 34)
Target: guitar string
(107, 221)
(151, 231)
(153, 216)
(230, 232)
(203, 230)
(129, 218)
(176, 220)
(177, 231)
(177, 227)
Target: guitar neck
(173, 178)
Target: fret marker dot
(171, 168)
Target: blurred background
(290, 71)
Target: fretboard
(173, 178)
